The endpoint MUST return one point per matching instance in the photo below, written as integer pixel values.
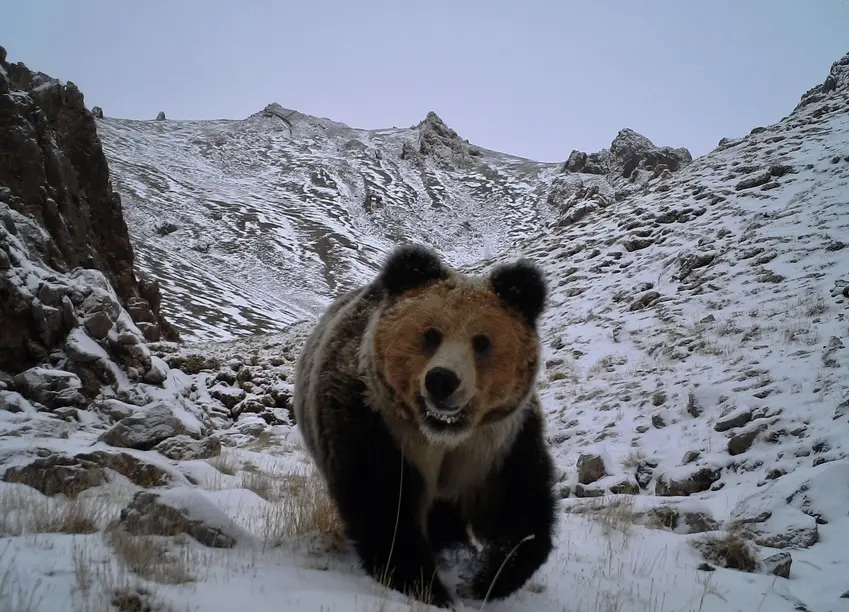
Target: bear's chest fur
(456, 473)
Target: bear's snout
(441, 382)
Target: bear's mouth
(442, 416)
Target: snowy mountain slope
(695, 381)
(282, 213)
(257, 223)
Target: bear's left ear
(522, 286)
(409, 267)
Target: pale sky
(535, 78)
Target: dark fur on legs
(446, 527)
(366, 477)
(519, 502)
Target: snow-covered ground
(696, 384)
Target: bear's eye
(481, 344)
(431, 338)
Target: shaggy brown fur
(360, 404)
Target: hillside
(257, 223)
(695, 373)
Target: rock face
(629, 151)
(837, 80)
(58, 207)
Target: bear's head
(456, 352)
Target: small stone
(658, 421)
(590, 468)
(690, 456)
(98, 324)
(706, 567)
(158, 372)
(641, 428)
(736, 420)
(742, 442)
(644, 474)
(582, 491)
(626, 487)
(247, 406)
(186, 448)
(696, 482)
(778, 564)
(644, 301)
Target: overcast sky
(535, 78)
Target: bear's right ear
(409, 267)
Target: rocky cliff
(60, 218)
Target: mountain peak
(836, 82)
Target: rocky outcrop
(439, 141)
(628, 152)
(58, 212)
(835, 84)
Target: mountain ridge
(285, 210)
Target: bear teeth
(445, 418)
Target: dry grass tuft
(633, 459)
(263, 441)
(614, 513)
(104, 586)
(149, 557)
(730, 551)
(269, 487)
(224, 463)
(24, 510)
(303, 507)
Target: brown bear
(415, 395)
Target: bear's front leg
(516, 517)
(366, 477)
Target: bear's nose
(441, 382)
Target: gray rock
(158, 372)
(590, 468)
(778, 564)
(644, 474)
(145, 430)
(186, 448)
(645, 300)
(115, 409)
(98, 324)
(742, 442)
(14, 402)
(761, 178)
(690, 456)
(57, 475)
(625, 487)
(584, 491)
(735, 420)
(785, 527)
(155, 514)
(698, 481)
(52, 388)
